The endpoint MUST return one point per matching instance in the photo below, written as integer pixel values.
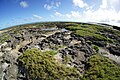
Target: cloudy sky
(14, 12)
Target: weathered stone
(115, 50)
(1, 54)
(11, 72)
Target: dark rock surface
(115, 50)
(100, 43)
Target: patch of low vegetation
(66, 59)
(96, 48)
(17, 31)
(57, 47)
(110, 30)
(52, 53)
(90, 30)
(42, 66)
(4, 37)
(101, 68)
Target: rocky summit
(60, 51)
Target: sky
(15, 12)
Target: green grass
(57, 47)
(85, 33)
(96, 48)
(43, 66)
(110, 30)
(91, 30)
(101, 68)
(4, 37)
(52, 53)
(66, 59)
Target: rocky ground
(78, 49)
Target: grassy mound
(101, 68)
(94, 31)
(42, 66)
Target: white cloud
(75, 14)
(99, 15)
(58, 14)
(110, 4)
(104, 4)
(58, 4)
(107, 12)
(52, 5)
(114, 3)
(48, 7)
(68, 15)
(24, 4)
(37, 17)
(80, 3)
(72, 14)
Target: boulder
(115, 50)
